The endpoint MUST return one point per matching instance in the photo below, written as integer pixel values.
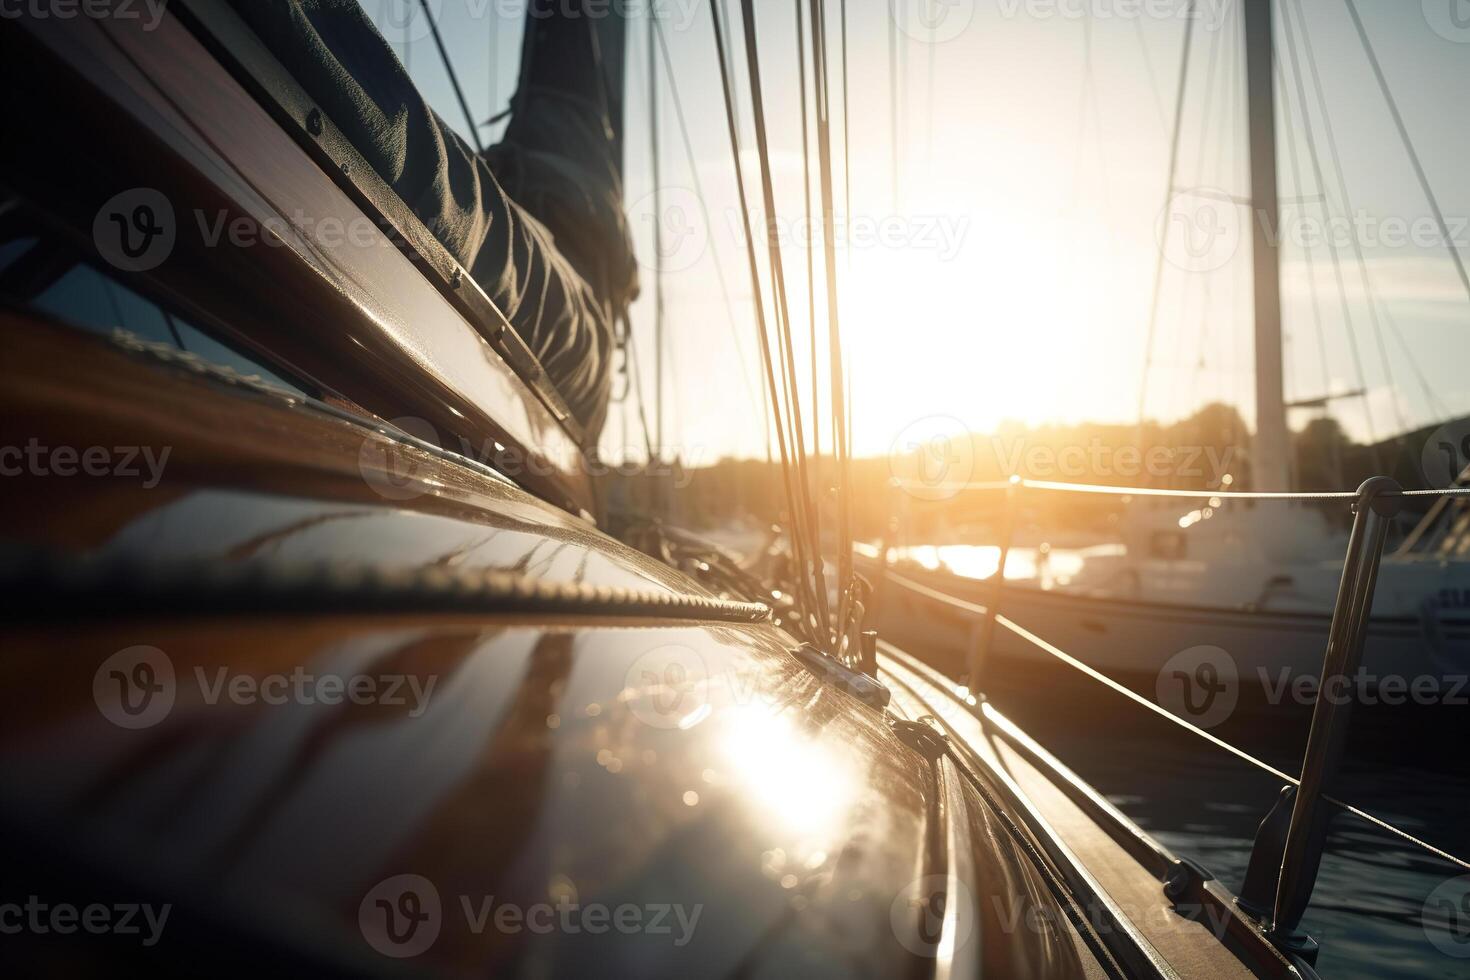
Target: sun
(1019, 318)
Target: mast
(658, 240)
(1270, 455)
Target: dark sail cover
(554, 253)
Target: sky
(1005, 269)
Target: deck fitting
(922, 737)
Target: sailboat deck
(1085, 827)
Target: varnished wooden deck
(1201, 936)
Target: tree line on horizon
(1208, 450)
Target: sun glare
(998, 321)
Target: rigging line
(846, 143)
(703, 205)
(1096, 675)
(1153, 315)
(1347, 209)
(493, 29)
(1436, 407)
(636, 380)
(1082, 102)
(892, 17)
(929, 101)
(469, 117)
(822, 73)
(1174, 403)
(905, 78)
(658, 235)
(1164, 713)
(770, 403)
(1097, 115)
(822, 94)
(783, 312)
(1398, 119)
(766, 417)
(1300, 187)
(1448, 492)
(1233, 60)
(798, 542)
(1321, 331)
(1177, 376)
(841, 449)
(1211, 84)
(675, 387)
(1341, 173)
(806, 197)
(1148, 66)
(1311, 137)
(1407, 837)
(723, 13)
(1241, 280)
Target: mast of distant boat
(1270, 455)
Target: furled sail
(538, 219)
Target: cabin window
(47, 277)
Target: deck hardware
(868, 652)
(1258, 891)
(921, 736)
(1184, 877)
(866, 689)
(982, 635)
(314, 124)
(456, 277)
(1277, 891)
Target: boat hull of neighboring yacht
(1270, 660)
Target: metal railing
(1288, 850)
(1105, 488)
